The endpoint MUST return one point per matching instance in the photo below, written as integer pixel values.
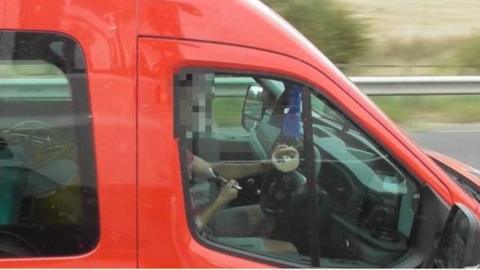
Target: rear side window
(48, 200)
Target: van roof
(247, 23)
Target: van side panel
(107, 34)
(162, 214)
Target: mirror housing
(252, 111)
(459, 245)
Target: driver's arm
(202, 169)
(237, 170)
(227, 193)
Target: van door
(349, 199)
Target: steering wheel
(279, 189)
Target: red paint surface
(236, 35)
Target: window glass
(227, 95)
(48, 204)
(253, 193)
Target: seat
(13, 179)
(56, 192)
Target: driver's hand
(283, 149)
(228, 192)
(285, 158)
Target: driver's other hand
(228, 192)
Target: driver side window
(251, 191)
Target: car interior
(41, 193)
(48, 200)
(371, 212)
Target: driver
(243, 226)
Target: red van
(183, 133)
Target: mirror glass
(252, 106)
(458, 245)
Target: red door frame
(162, 215)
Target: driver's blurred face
(194, 114)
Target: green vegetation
(227, 111)
(21, 69)
(331, 27)
(469, 54)
(414, 111)
(419, 57)
(361, 43)
(342, 33)
(408, 111)
(416, 57)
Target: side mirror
(459, 245)
(252, 106)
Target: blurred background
(423, 57)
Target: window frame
(82, 127)
(315, 92)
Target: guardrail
(433, 85)
(382, 86)
(24, 89)
(57, 88)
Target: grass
(418, 37)
(418, 57)
(407, 111)
(415, 111)
(227, 111)
(413, 38)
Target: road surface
(459, 141)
